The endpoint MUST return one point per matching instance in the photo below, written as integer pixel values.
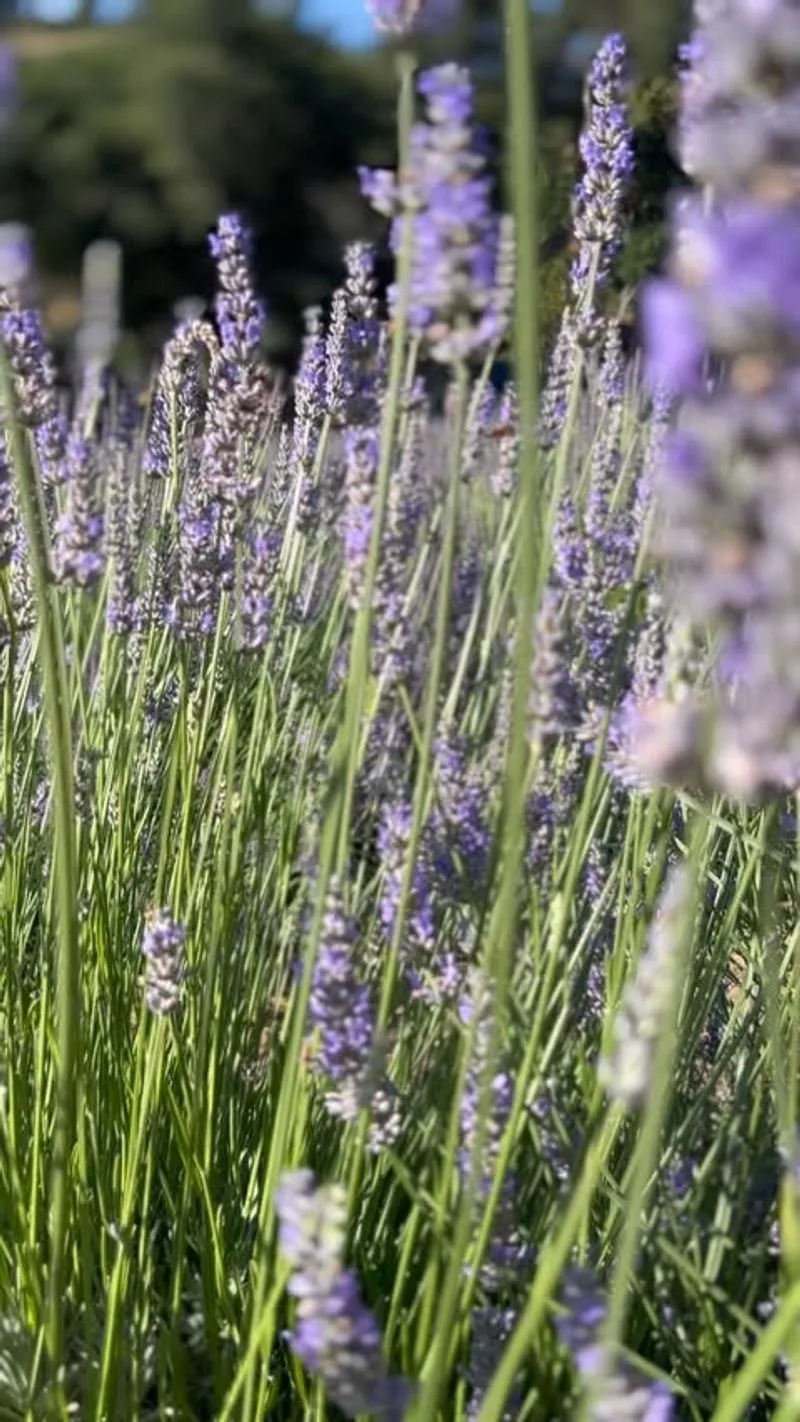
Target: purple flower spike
(606, 149)
(458, 283)
(336, 1336)
(240, 313)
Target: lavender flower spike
(240, 313)
(607, 153)
(458, 304)
(336, 1336)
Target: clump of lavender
(163, 949)
(455, 304)
(78, 556)
(335, 1337)
(644, 1013)
(727, 488)
(614, 1389)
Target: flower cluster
(336, 1337)
(455, 302)
(727, 484)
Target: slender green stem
(57, 707)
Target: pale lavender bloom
(121, 610)
(163, 948)
(552, 702)
(310, 394)
(342, 1018)
(394, 834)
(485, 1108)
(697, 81)
(355, 349)
(224, 453)
(614, 1389)
(561, 374)
(606, 149)
(460, 820)
(446, 195)
(398, 17)
(643, 1015)
(340, 1010)
(362, 449)
(178, 400)
(78, 554)
(16, 256)
(335, 1337)
(258, 587)
(34, 373)
(727, 486)
(503, 478)
(192, 610)
(240, 313)
(394, 634)
(9, 525)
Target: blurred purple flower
(335, 1336)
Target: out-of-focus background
(140, 120)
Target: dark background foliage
(144, 132)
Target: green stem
(57, 708)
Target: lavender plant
(250, 646)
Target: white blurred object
(16, 259)
(189, 308)
(101, 303)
